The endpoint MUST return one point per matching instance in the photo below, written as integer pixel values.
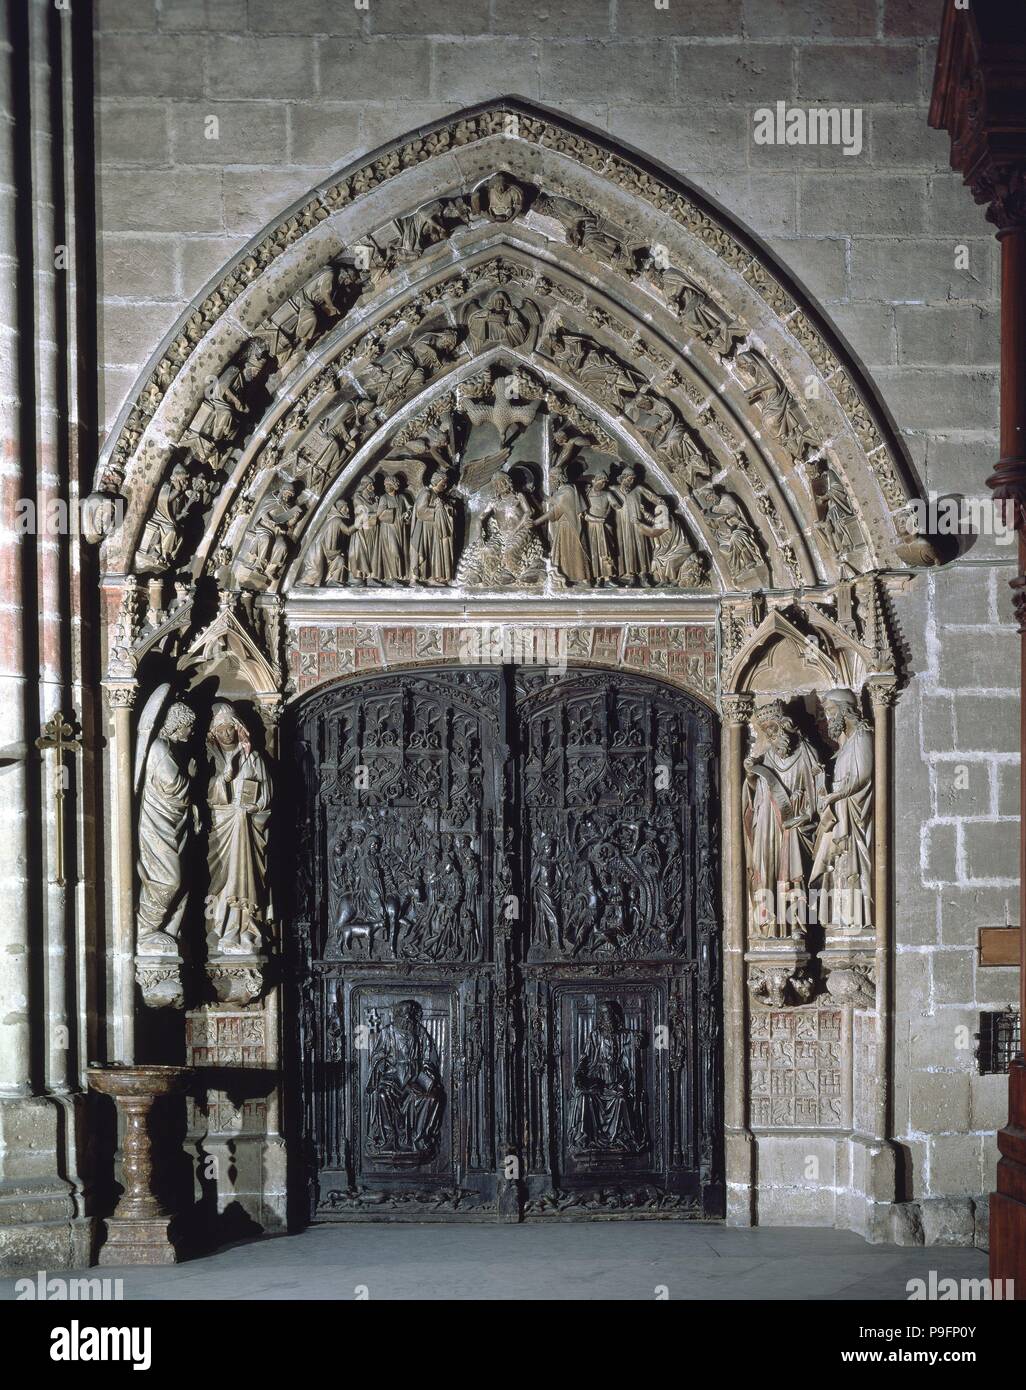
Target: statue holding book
(239, 797)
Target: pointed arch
(754, 398)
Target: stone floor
(602, 1260)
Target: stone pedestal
(137, 1233)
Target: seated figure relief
(608, 1099)
(405, 1097)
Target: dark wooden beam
(979, 97)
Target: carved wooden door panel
(621, 967)
(403, 784)
(505, 948)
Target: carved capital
(737, 709)
(883, 694)
(120, 696)
(160, 983)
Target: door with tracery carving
(505, 949)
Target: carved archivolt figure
(607, 1107)
(495, 322)
(432, 537)
(502, 198)
(167, 816)
(162, 537)
(782, 794)
(598, 516)
(266, 546)
(839, 521)
(219, 421)
(239, 797)
(325, 561)
(843, 863)
(405, 1095)
(404, 370)
(701, 314)
(734, 537)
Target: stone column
(121, 700)
(738, 1141)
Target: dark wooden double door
(505, 948)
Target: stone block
(977, 659)
(903, 139)
(1009, 788)
(384, 121)
(114, 386)
(622, 72)
(963, 334)
(311, 16)
(948, 1221)
(743, 74)
(845, 203)
(988, 1102)
(912, 981)
(163, 66)
(137, 267)
(373, 68)
(414, 17)
(953, 976)
(868, 329)
(129, 332)
(939, 1101)
(132, 133)
(986, 722)
(252, 199)
(553, 18)
(938, 723)
(247, 132)
(991, 849)
(685, 138)
(981, 1219)
(957, 462)
(883, 268)
(325, 136)
(909, 19)
(765, 202)
(997, 986)
(964, 909)
(176, 201)
(808, 19)
(962, 789)
(202, 257)
(951, 208)
(469, 70)
(922, 397)
(189, 16)
(265, 68)
(956, 1170)
(819, 263)
(133, 16)
(943, 1041)
(834, 73)
(941, 860)
(795, 1206)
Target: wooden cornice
(979, 97)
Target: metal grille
(998, 1040)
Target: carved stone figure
(219, 423)
(598, 517)
(843, 865)
(607, 1108)
(402, 371)
(162, 536)
(605, 376)
(779, 407)
(632, 516)
(600, 239)
(405, 1095)
(781, 799)
(506, 552)
(393, 530)
(701, 314)
(839, 522)
(266, 547)
(167, 816)
(501, 197)
(663, 427)
(432, 556)
(427, 226)
(296, 324)
(673, 559)
(363, 542)
(239, 798)
(733, 535)
(563, 517)
(325, 560)
(495, 321)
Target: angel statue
(167, 818)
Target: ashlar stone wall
(214, 115)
